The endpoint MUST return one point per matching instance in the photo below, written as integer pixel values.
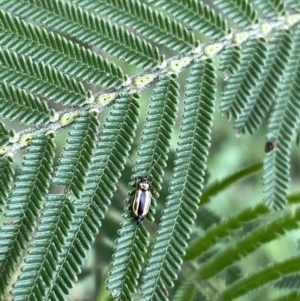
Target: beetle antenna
(150, 167)
(131, 161)
(154, 164)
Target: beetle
(142, 198)
(141, 201)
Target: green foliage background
(86, 84)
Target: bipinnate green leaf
(44, 255)
(237, 90)
(240, 12)
(186, 184)
(282, 126)
(24, 204)
(194, 14)
(223, 230)
(55, 50)
(146, 21)
(131, 246)
(260, 278)
(271, 8)
(105, 170)
(37, 77)
(254, 59)
(5, 134)
(234, 252)
(77, 154)
(230, 61)
(6, 179)
(262, 97)
(18, 104)
(87, 27)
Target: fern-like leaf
(260, 278)
(6, 179)
(240, 12)
(271, 8)
(18, 104)
(224, 229)
(237, 91)
(240, 92)
(147, 22)
(230, 61)
(263, 96)
(108, 162)
(195, 14)
(186, 184)
(24, 205)
(44, 56)
(40, 78)
(89, 28)
(5, 134)
(53, 49)
(43, 256)
(77, 155)
(132, 243)
(265, 233)
(281, 128)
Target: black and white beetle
(142, 199)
